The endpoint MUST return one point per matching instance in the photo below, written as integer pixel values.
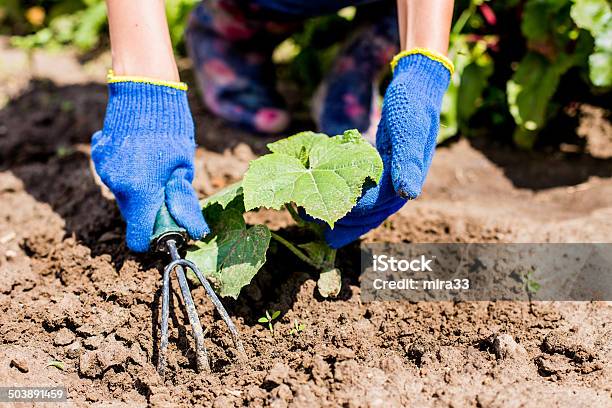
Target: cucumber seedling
(321, 176)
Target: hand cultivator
(168, 238)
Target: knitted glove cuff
(147, 107)
(432, 55)
(111, 78)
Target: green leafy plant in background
(555, 35)
(595, 16)
(554, 45)
(322, 175)
(82, 23)
(55, 24)
(310, 52)
(510, 59)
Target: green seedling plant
(268, 319)
(532, 287)
(323, 176)
(297, 328)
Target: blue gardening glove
(406, 140)
(144, 154)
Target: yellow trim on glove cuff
(427, 53)
(111, 78)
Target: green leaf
(225, 197)
(233, 253)
(533, 286)
(263, 320)
(448, 115)
(90, 24)
(529, 92)
(275, 314)
(473, 65)
(603, 40)
(330, 283)
(595, 16)
(474, 80)
(542, 18)
(303, 156)
(322, 174)
(591, 15)
(600, 69)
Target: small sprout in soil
(532, 286)
(297, 328)
(531, 283)
(57, 364)
(269, 318)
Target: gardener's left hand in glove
(406, 140)
(144, 154)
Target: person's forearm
(140, 41)
(425, 24)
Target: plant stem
(294, 249)
(294, 214)
(332, 257)
(463, 18)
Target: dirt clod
(564, 343)
(505, 347)
(553, 365)
(415, 350)
(111, 353)
(74, 350)
(63, 337)
(278, 373)
(20, 364)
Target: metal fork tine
(165, 306)
(213, 296)
(192, 313)
(194, 320)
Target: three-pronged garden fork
(168, 238)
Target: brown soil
(70, 291)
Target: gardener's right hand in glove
(144, 154)
(406, 141)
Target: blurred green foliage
(511, 57)
(521, 50)
(82, 23)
